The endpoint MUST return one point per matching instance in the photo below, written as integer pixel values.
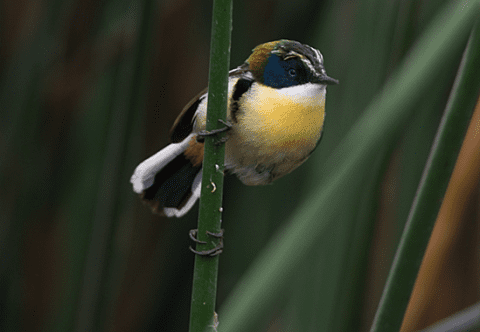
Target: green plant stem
(206, 268)
(431, 191)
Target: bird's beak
(324, 79)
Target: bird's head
(285, 63)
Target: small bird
(275, 117)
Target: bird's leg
(203, 133)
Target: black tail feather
(173, 184)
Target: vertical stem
(206, 268)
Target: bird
(275, 119)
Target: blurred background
(88, 89)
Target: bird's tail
(170, 181)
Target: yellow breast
(287, 121)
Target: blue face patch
(280, 73)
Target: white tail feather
(144, 175)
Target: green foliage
(431, 191)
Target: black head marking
(287, 63)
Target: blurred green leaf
(431, 190)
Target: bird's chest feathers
(283, 119)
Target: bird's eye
(292, 72)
